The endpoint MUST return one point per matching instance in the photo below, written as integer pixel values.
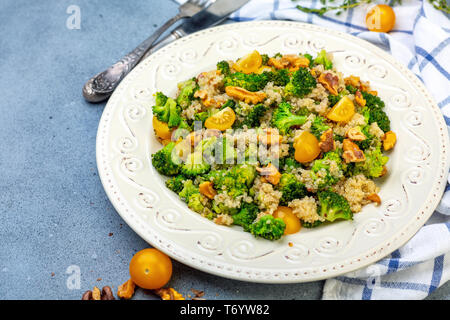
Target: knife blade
(208, 17)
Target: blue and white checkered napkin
(421, 40)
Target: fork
(101, 86)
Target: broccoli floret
(187, 90)
(253, 119)
(279, 77)
(164, 162)
(337, 137)
(351, 89)
(283, 118)
(291, 188)
(244, 174)
(372, 101)
(334, 206)
(235, 181)
(169, 112)
(188, 190)
(202, 116)
(369, 141)
(160, 99)
(310, 225)
(333, 99)
(229, 103)
(319, 126)
(223, 67)
(265, 59)
(195, 165)
(176, 183)
(195, 202)
(268, 227)
(381, 118)
(222, 208)
(288, 164)
(372, 167)
(321, 170)
(322, 58)
(246, 215)
(251, 82)
(301, 83)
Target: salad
(273, 143)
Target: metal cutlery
(102, 85)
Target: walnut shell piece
(245, 95)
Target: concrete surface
(55, 216)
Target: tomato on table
(381, 18)
(150, 269)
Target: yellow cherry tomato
(222, 120)
(161, 129)
(150, 269)
(290, 219)
(342, 111)
(306, 147)
(249, 63)
(381, 18)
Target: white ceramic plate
(417, 167)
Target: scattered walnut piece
(245, 95)
(96, 294)
(207, 189)
(168, 294)
(355, 134)
(330, 82)
(359, 99)
(126, 290)
(352, 153)
(198, 293)
(326, 141)
(389, 139)
(374, 198)
(270, 173)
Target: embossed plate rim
(253, 274)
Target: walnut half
(245, 95)
(326, 141)
(352, 153)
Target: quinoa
(356, 189)
(305, 209)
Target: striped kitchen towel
(421, 40)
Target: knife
(208, 17)
(102, 86)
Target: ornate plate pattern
(418, 167)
